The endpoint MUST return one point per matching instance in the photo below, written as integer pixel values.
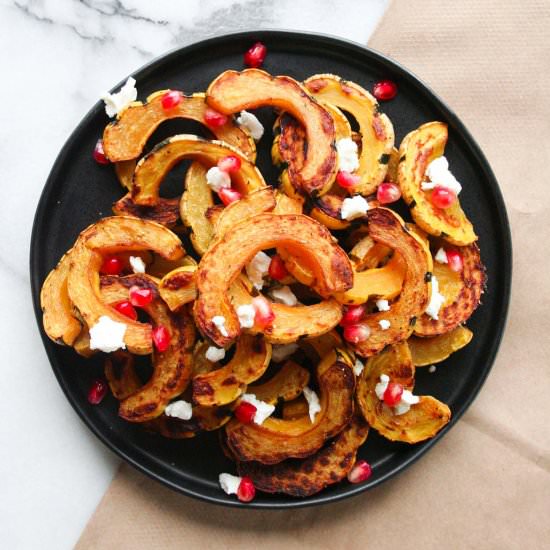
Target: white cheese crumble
(381, 387)
(251, 124)
(257, 269)
(354, 207)
(137, 264)
(229, 483)
(348, 160)
(383, 305)
(263, 409)
(219, 322)
(407, 398)
(284, 295)
(179, 409)
(439, 175)
(313, 402)
(384, 324)
(441, 256)
(432, 369)
(436, 301)
(117, 102)
(282, 351)
(358, 367)
(217, 179)
(107, 335)
(214, 354)
(246, 314)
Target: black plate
(79, 191)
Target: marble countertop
(56, 57)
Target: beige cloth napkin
(487, 483)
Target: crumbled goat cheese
(358, 367)
(219, 322)
(383, 305)
(257, 269)
(263, 409)
(282, 351)
(251, 124)
(313, 402)
(348, 160)
(354, 207)
(439, 175)
(229, 483)
(436, 301)
(214, 354)
(432, 369)
(381, 387)
(218, 179)
(441, 256)
(246, 314)
(179, 409)
(137, 264)
(384, 324)
(284, 295)
(107, 335)
(117, 102)
(407, 398)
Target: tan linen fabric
(487, 483)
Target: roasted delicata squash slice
(303, 478)
(224, 385)
(165, 212)
(107, 236)
(387, 228)
(228, 256)
(234, 91)
(417, 150)
(322, 345)
(153, 167)
(276, 440)
(428, 351)
(375, 128)
(159, 266)
(297, 408)
(121, 375)
(422, 421)
(171, 368)
(462, 292)
(178, 287)
(368, 254)
(287, 384)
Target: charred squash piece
(393, 166)
(427, 351)
(107, 236)
(303, 478)
(227, 257)
(224, 385)
(232, 92)
(387, 228)
(276, 440)
(287, 384)
(165, 212)
(421, 422)
(121, 374)
(417, 150)
(178, 287)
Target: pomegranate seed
(171, 99)
(347, 180)
(455, 261)
(255, 55)
(161, 338)
(360, 472)
(393, 394)
(264, 313)
(126, 308)
(99, 154)
(442, 197)
(140, 297)
(388, 192)
(214, 119)
(385, 90)
(230, 163)
(228, 195)
(352, 315)
(356, 333)
(246, 491)
(112, 266)
(97, 391)
(245, 412)
(277, 268)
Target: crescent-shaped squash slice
(120, 372)
(165, 212)
(321, 345)
(387, 228)
(171, 368)
(223, 262)
(224, 385)
(153, 167)
(377, 136)
(178, 287)
(276, 440)
(427, 351)
(234, 91)
(287, 384)
(303, 478)
(417, 150)
(421, 422)
(107, 236)
(462, 293)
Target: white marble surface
(55, 58)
